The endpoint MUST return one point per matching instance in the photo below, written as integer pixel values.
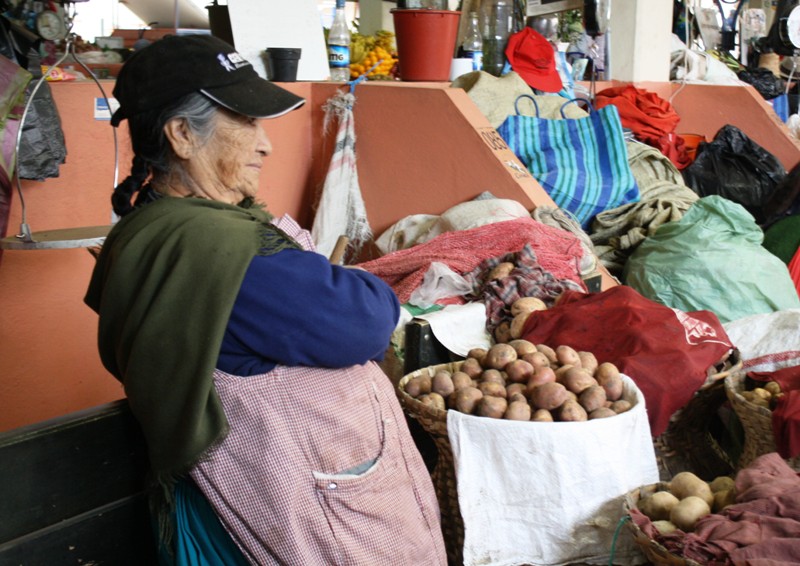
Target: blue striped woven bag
(582, 163)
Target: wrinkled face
(227, 167)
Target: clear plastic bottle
(472, 46)
(499, 26)
(339, 45)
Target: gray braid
(153, 155)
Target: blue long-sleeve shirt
(295, 308)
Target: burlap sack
(495, 96)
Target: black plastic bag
(764, 81)
(42, 148)
(735, 167)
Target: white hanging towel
(341, 208)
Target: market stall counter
(422, 148)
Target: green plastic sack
(712, 259)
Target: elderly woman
(248, 360)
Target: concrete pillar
(258, 24)
(375, 15)
(639, 40)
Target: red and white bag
(667, 352)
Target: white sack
(550, 493)
(767, 342)
(421, 228)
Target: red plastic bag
(666, 352)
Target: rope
(364, 77)
(621, 522)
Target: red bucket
(426, 43)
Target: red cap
(533, 58)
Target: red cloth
(794, 270)
(652, 120)
(666, 352)
(557, 250)
(761, 529)
(786, 415)
(674, 148)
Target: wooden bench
(72, 491)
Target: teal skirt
(199, 537)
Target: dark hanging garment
(42, 149)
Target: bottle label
(339, 56)
(477, 59)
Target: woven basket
(690, 429)
(759, 437)
(434, 421)
(688, 433)
(652, 549)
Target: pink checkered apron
(319, 469)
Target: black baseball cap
(177, 65)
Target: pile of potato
(686, 500)
(523, 381)
(522, 308)
(765, 395)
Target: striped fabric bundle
(582, 163)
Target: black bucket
(282, 63)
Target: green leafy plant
(570, 25)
